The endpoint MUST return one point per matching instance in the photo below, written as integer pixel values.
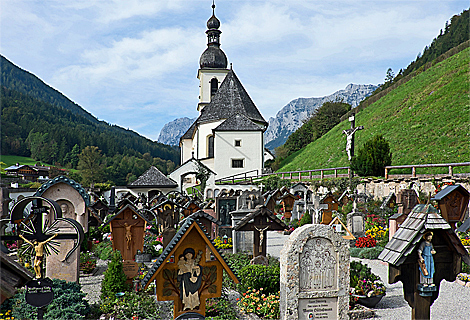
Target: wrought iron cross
(35, 229)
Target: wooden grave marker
(189, 271)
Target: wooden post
(310, 175)
(321, 174)
(300, 176)
(336, 173)
(450, 171)
(413, 172)
(386, 173)
(422, 307)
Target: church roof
(230, 99)
(190, 132)
(238, 122)
(153, 178)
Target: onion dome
(213, 56)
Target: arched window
(214, 86)
(210, 147)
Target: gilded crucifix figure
(39, 249)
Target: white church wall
(250, 151)
(205, 76)
(204, 131)
(186, 150)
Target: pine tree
(114, 278)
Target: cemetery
(286, 253)
(250, 245)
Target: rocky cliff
(172, 131)
(291, 116)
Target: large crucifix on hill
(350, 136)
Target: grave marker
(314, 275)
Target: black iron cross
(34, 228)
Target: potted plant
(366, 288)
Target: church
(227, 137)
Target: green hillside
(425, 120)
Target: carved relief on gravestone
(318, 265)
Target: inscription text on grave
(318, 308)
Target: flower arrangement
(466, 241)
(441, 186)
(12, 246)
(366, 242)
(369, 288)
(219, 243)
(463, 277)
(87, 262)
(377, 232)
(6, 315)
(254, 301)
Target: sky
(134, 63)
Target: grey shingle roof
(238, 122)
(153, 177)
(231, 98)
(422, 217)
(190, 132)
(260, 210)
(447, 190)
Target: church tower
(212, 64)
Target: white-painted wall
(251, 151)
(205, 76)
(203, 131)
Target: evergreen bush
(68, 303)
(372, 158)
(104, 250)
(306, 219)
(114, 277)
(259, 276)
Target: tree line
(33, 128)
(322, 120)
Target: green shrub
(236, 261)
(132, 304)
(104, 250)
(366, 253)
(68, 303)
(372, 158)
(219, 309)
(306, 219)
(259, 276)
(465, 267)
(114, 278)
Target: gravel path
(453, 302)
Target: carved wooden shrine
(327, 215)
(260, 221)
(287, 201)
(189, 271)
(168, 218)
(128, 231)
(452, 201)
(402, 255)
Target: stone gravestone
(314, 275)
(355, 223)
(73, 201)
